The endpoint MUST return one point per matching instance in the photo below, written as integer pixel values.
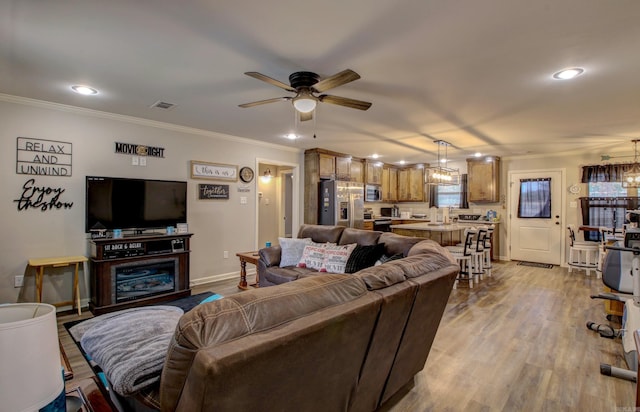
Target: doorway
(536, 216)
(277, 211)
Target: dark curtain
(535, 199)
(604, 173)
(464, 196)
(433, 195)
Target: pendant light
(441, 174)
(631, 177)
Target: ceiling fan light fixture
(304, 103)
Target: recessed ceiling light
(570, 73)
(375, 156)
(402, 162)
(291, 136)
(85, 90)
(478, 154)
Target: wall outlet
(18, 281)
(226, 254)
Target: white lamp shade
(30, 372)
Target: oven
(382, 225)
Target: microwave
(372, 193)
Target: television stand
(138, 270)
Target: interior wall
(217, 225)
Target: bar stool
(40, 263)
(487, 250)
(582, 254)
(477, 254)
(463, 256)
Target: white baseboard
(219, 277)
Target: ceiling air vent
(163, 105)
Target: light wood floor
(516, 342)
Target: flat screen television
(123, 203)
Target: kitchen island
(445, 234)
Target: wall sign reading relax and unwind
(43, 157)
(41, 197)
(206, 191)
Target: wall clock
(574, 188)
(246, 174)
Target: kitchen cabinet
(374, 173)
(483, 179)
(411, 184)
(356, 170)
(389, 184)
(327, 165)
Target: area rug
(536, 265)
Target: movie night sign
(43, 157)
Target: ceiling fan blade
(270, 80)
(306, 116)
(344, 101)
(259, 102)
(336, 80)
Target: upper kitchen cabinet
(355, 168)
(411, 184)
(389, 184)
(483, 179)
(373, 174)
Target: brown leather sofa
(269, 270)
(334, 342)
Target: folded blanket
(130, 345)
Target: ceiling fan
(307, 86)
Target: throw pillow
(312, 256)
(292, 250)
(386, 258)
(364, 257)
(336, 257)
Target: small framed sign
(207, 192)
(214, 171)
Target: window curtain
(604, 211)
(433, 195)
(464, 196)
(604, 173)
(535, 199)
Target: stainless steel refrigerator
(341, 203)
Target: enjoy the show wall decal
(41, 197)
(43, 157)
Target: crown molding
(140, 121)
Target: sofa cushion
(336, 257)
(277, 275)
(320, 233)
(291, 250)
(359, 236)
(363, 257)
(394, 243)
(431, 246)
(312, 256)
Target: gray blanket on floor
(129, 345)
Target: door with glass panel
(536, 217)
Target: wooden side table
(40, 263)
(90, 395)
(247, 257)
